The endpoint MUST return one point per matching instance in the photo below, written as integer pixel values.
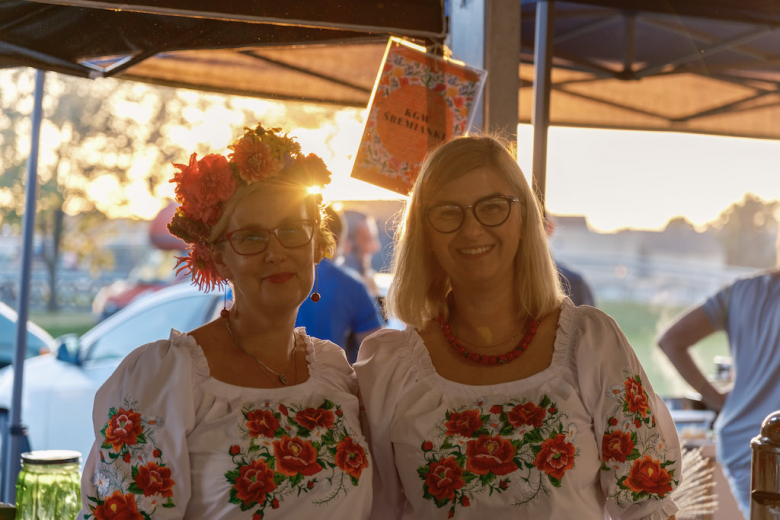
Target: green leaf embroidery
(554, 481)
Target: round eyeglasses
(490, 211)
(253, 241)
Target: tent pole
(540, 118)
(14, 432)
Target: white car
(59, 388)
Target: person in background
(459, 428)
(749, 311)
(244, 417)
(574, 285)
(345, 308)
(361, 246)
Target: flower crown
(204, 186)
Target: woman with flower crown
(244, 417)
(501, 399)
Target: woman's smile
(279, 278)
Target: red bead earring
(315, 296)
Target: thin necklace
(474, 345)
(263, 366)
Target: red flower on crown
(202, 266)
(202, 185)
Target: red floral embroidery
(154, 480)
(118, 507)
(616, 446)
(648, 476)
(636, 397)
(351, 457)
(123, 428)
(463, 423)
(556, 456)
(496, 409)
(295, 456)
(527, 413)
(254, 481)
(444, 477)
(490, 454)
(261, 423)
(311, 418)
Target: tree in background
(747, 230)
(106, 149)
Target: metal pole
(540, 118)
(14, 434)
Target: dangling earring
(225, 313)
(315, 296)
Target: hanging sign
(419, 101)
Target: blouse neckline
(201, 367)
(420, 358)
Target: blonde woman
(244, 417)
(501, 398)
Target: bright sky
(617, 179)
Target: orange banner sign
(419, 102)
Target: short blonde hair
(314, 208)
(419, 288)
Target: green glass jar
(49, 485)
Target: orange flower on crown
(254, 158)
(202, 185)
(313, 170)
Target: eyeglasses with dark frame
(490, 211)
(253, 241)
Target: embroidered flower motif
(254, 481)
(351, 457)
(616, 446)
(647, 476)
(527, 413)
(443, 478)
(315, 417)
(556, 457)
(490, 454)
(127, 468)
(296, 446)
(261, 423)
(118, 507)
(634, 451)
(154, 480)
(124, 428)
(488, 447)
(636, 398)
(295, 456)
(463, 423)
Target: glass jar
(49, 485)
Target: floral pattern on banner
(399, 71)
(485, 448)
(291, 450)
(131, 479)
(632, 446)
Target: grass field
(641, 323)
(60, 323)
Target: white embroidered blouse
(584, 437)
(172, 442)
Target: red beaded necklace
(482, 359)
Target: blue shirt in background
(345, 306)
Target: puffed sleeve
(638, 444)
(381, 378)
(139, 463)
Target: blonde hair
(314, 208)
(419, 288)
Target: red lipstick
(279, 277)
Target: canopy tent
(705, 67)
(314, 50)
(305, 50)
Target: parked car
(59, 388)
(38, 340)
